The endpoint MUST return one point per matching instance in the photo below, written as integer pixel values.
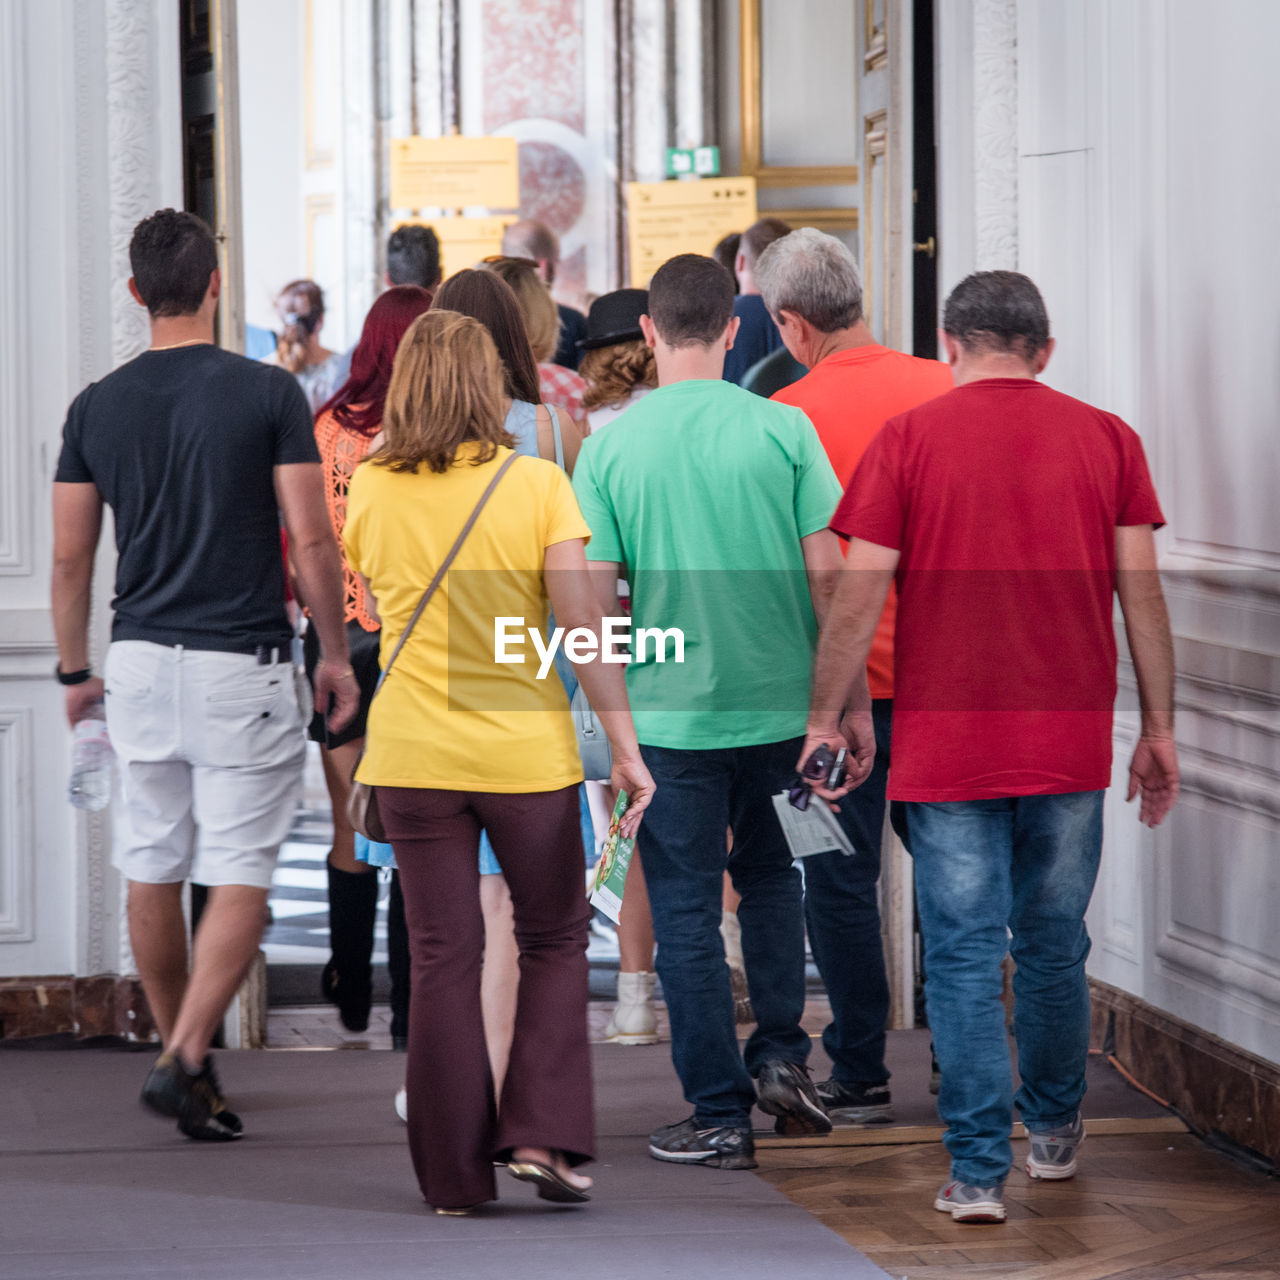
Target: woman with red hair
(346, 428)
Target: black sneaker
(785, 1090)
(856, 1103)
(193, 1099)
(725, 1147)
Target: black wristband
(72, 677)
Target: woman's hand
(630, 775)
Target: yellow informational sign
(667, 218)
(464, 241)
(454, 173)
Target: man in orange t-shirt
(811, 287)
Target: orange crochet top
(341, 451)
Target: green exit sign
(686, 162)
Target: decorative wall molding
(363, 173)
(1212, 1084)
(15, 366)
(995, 133)
(17, 905)
(131, 146)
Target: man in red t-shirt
(811, 286)
(1008, 514)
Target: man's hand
(81, 699)
(336, 681)
(632, 776)
(1154, 772)
(816, 736)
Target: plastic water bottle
(90, 786)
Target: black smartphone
(818, 765)
(835, 778)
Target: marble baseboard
(1218, 1089)
(104, 1005)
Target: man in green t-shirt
(714, 504)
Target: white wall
(89, 143)
(1146, 201)
(270, 48)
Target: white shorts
(209, 753)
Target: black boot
(398, 965)
(347, 980)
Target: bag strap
(559, 439)
(444, 567)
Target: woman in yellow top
(460, 742)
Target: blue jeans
(1026, 864)
(700, 794)
(842, 911)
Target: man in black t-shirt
(197, 452)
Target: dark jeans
(985, 868)
(456, 1131)
(842, 911)
(699, 795)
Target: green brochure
(611, 871)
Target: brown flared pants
(456, 1131)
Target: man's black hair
(413, 256)
(690, 300)
(172, 255)
(997, 311)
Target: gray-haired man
(810, 283)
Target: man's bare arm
(822, 564)
(840, 704)
(77, 523)
(1154, 769)
(318, 567)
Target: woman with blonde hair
(557, 385)
(318, 370)
(459, 742)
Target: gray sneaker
(966, 1203)
(1053, 1153)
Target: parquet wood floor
(1144, 1206)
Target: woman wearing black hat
(616, 364)
(618, 369)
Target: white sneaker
(402, 1104)
(634, 1020)
(1053, 1153)
(967, 1203)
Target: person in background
(717, 502)
(444, 772)
(535, 240)
(260, 343)
(757, 335)
(318, 370)
(198, 452)
(1005, 688)
(537, 431)
(726, 254)
(618, 368)
(616, 365)
(812, 288)
(345, 430)
(413, 256)
(557, 385)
